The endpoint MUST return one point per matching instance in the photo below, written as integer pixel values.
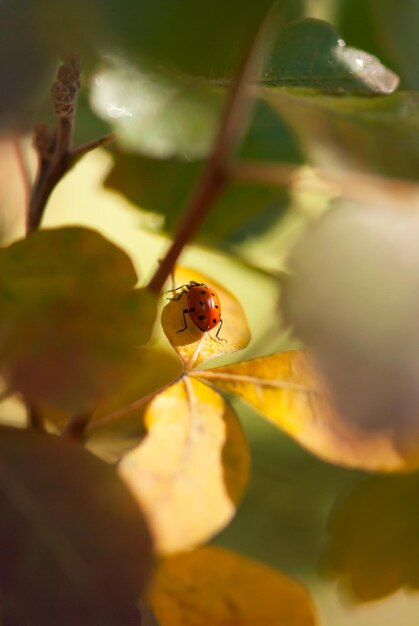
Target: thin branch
(54, 148)
(215, 175)
(56, 154)
(266, 173)
(35, 420)
(84, 148)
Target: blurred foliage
(215, 586)
(72, 320)
(70, 317)
(60, 506)
(372, 544)
(289, 390)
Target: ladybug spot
(214, 321)
(191, 310)
(213, 294)
(203, 292)
(202, 303)
(216, 306)
(201, 317)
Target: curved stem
(215, 176)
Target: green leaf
(373, 542)
(245, 209)
(379, 134)
(74, 545)
(70, 318)
(310, 53)
(157, 113)
(163, 187)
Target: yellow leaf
(192, 345)
(215, 587)
(191, 469)
(288, 390)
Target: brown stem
(35, 420)
(81, 150)
(215, 175)
(56, 154)
(76, 426)
(263, 172)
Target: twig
(263, 172)
(215, 175)
(35, 420)
(81, 150)
(56, 154)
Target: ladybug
(203, 307)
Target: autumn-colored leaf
(70, 318)
(288, 390)
(74, 545)
(117, 425)
(217, 587)
(192, 345)
(373, 545)
(191, 469)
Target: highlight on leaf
(215, 586)
(191, 469)
(192, 345)
(288, 390)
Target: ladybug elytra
(203, 307)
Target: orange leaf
(192, 345)
(215, 587)
(288, 390)
(191, 469)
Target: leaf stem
(215, 176)
(76, 426)
(35, 420)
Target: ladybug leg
(178, 296)
(218, 331)
(184, 321)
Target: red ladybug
(203, 307)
